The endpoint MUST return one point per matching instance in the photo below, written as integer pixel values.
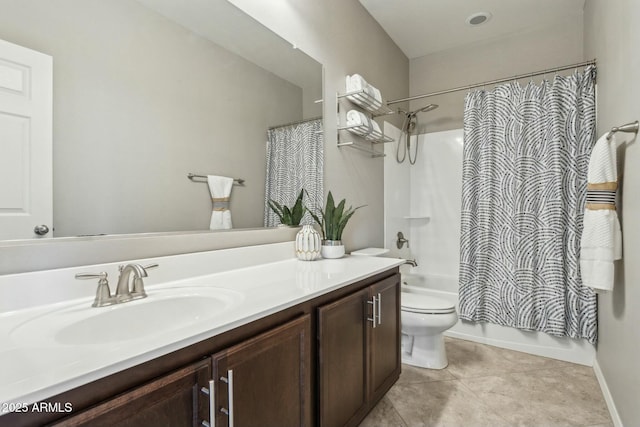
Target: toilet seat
(425, 304)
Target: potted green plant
(289, 216)
(332, 223)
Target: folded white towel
(601, 241)
(220, 189)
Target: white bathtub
(538, 343)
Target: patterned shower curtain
(526, 152)
(294, 161)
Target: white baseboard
(537, 343)
(615, 417)
(575, 353)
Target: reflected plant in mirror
(290, 216)
(144, 93)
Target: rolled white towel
(357, 118)
(375, 127)
(357, 82)
(376, 94)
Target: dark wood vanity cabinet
(320, 362)
(342, 359)
(266, 381)
(358, 352)
(175, 399)
(385, 339)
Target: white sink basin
(162, 311)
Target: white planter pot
(332, 249)
(308, 244)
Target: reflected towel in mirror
(220, 188)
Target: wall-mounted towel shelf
(355, 146)
(196, 178)
(370, 100)
(367, 102)
(628, 128)
(374, 136)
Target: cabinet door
(342, 358)
(173, 400)
(385, 337)
(265, 381)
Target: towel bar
(191, 176)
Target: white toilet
(424, 319)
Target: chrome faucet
(123, 293)
(411, 262)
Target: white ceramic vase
(308, 244)
(332, 249)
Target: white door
(25, 142)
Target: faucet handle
(86, 276)
(401, 240)
(150, 266)
(103, 293)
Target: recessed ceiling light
(478, 18)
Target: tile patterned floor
(493, 387)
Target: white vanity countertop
(34, 366)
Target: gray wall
(517, 54)
(345, 39)
(139, 102)
(612, 35)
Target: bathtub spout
(411, 262)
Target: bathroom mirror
(146, 92)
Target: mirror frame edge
(22, 256)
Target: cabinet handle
(379, 308)
(373, 302)
(212, 405)
(229, 381)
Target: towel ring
(628, 128)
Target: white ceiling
(421, 27)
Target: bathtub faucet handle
(401, 240)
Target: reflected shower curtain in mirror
(526, 151)
(295, 157)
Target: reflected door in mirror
(25, 142)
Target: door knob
(41, 230)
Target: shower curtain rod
(296, 122)
(493, 82)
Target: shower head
(429, 107)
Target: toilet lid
(420, 303)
